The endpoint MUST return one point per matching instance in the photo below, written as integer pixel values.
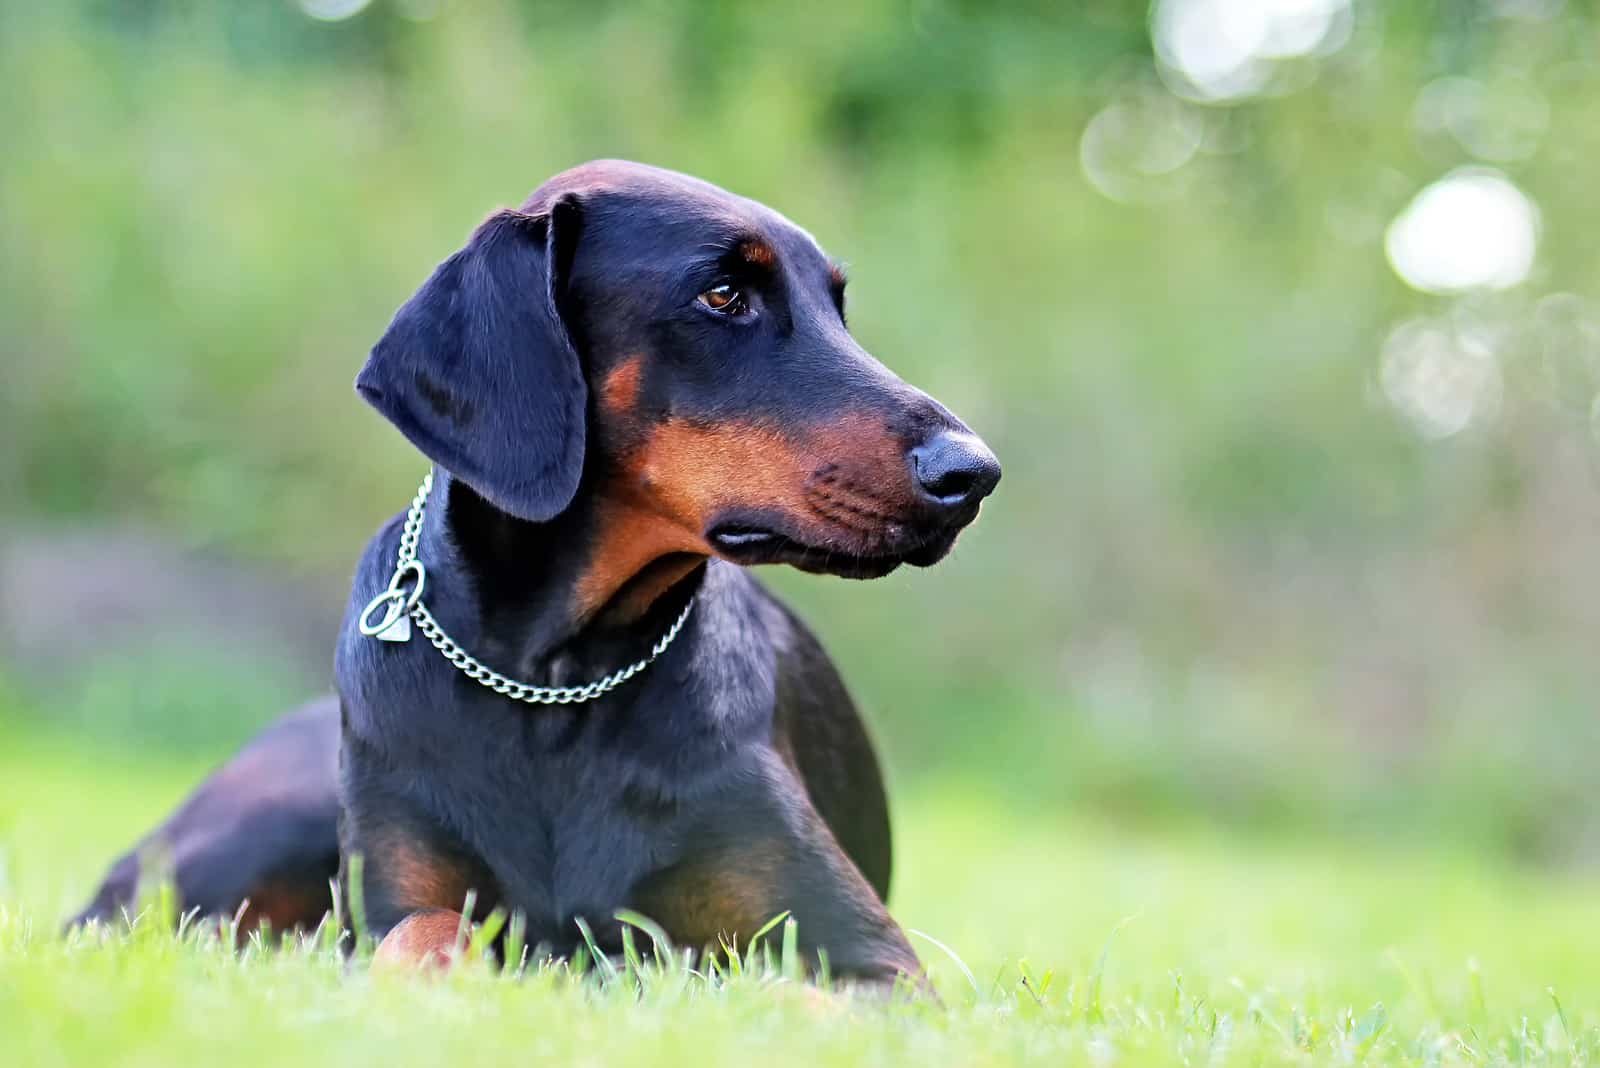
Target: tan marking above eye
(758, 252)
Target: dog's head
(686, 350)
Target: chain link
(407, 563)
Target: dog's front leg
(414, 883)
(428, 939)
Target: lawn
(1086, 943)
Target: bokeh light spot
(1499, 122)
(1221, 50)
(1471, 229)
(1566, 330)
(1440, 376)
(333, 10)
(1131, 148)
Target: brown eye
(723, 298)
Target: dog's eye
(725, 299)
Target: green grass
(1085, 943)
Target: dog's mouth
(750, 543)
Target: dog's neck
(546, 587)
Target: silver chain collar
(402, 605)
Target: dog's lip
(741, 536)
(754, 543)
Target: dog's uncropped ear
(478, 370)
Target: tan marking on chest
(705, 903)
(414, 878)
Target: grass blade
(652, 930)
(608, 970)
(972, 980)
(356, 900)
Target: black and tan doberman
(629, 387)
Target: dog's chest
(570, 829)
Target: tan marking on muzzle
(832, 481)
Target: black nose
(955, 469)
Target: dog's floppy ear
(478, 370)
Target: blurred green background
(1282, 318)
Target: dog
(560, 693)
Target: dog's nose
(955, 469)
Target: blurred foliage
(1225, 576)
